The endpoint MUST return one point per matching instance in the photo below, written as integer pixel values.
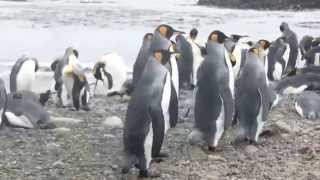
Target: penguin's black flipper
(228, 104)
(158, 130)
(173, 107)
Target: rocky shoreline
(263, 4)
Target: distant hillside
(263, 4)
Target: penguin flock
(235, 80)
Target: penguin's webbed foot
(85, 108)
(148, 174)
(211, 149)
(160, 157)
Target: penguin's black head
(236, 38)
(54, 64)
(193, 33)
(217, 36)
(76, 53)
(44, 97)
(284, 26)
(97, 70)
(163, 56)
(167, 31)
(148, 37)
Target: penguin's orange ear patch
(163, 30)
(264, 44)
(214, 37)
(158, 56)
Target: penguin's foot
(148, 174)
(85, 108)
(160, 157)
(266, 133)
(211, 149)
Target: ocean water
(44, 29)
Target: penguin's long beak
(178, 32)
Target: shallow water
(43, 29)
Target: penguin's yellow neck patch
(69, 70)
(163, 31)
(232, 58)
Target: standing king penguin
(291, 39)
(23, 74)
(254, 98)
(214, 93)
(153, 108)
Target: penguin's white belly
(20, 121)
(317, 59)
(26, 76)
(294, 90)
(165, 102)
(260, 122)
(68, 82)
(197, 60)
(237, 54)
(175, 74)
(231, 75)
(219, 125)
(298, 109)
(148, 146)
(277, 72)
(286, 55)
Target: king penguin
(23, 74)
(71, 83)
(185, 61)
(214, 93)
(291, 39)
(155, 115)
(148, 116)
(198, 54)
(20, 111)
(254, 99)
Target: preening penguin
(253, 97)
(112, 71)
(23, 74)
(71, 82)
(148, 114)
(307, 105)
(214, 93)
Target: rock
(196, 153)
(61, 130)
(113, 121)
(314, 175)
(250, 149)
(66, 120)
(282, 127)
(216, 158)
(58, 164)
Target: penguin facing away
(253, 100)
(185, 61)
(148, 116)
(214, 93)
(23, 74)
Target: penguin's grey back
(141, 61)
